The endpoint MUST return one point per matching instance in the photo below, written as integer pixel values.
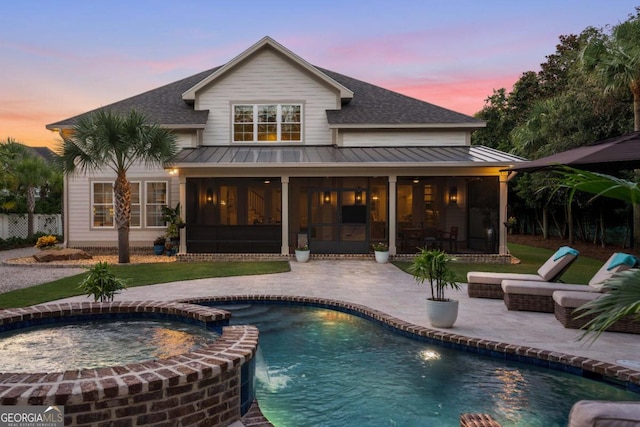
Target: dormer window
(267, 123)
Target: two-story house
(276, 152)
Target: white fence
(15, 225)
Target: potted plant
(432, 265)
(381, 252)
(302, 253)
(174, 223)
(158, 245)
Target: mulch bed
(586, 249)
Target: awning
(621, 152)
(326, 156)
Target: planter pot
(442, 314)
(158, 249)
(381, 256)
(302, 256)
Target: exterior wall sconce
(326, 197)
(358, 197)
(209, 195)
(453, 195)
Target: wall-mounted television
(354, 214)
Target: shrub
(102, 283)
(45, 242)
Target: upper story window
(267, 122)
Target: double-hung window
(267, 123)
(156, 199)
(102, 204)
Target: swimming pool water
(321, 367)
(96, 344)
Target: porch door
(339, 221)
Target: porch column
(284, 250)
(182, 194)
(502, 217)
(393, 179)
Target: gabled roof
(266, 42)
(368, 106)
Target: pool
(98, 344)
(324, 367)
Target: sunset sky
(61, 58)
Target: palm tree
(622, 292)
(615, 61)
(31, 173)
(106, 139)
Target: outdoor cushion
(572, 299)
(554, 265)
(593, 413)
(541, 288)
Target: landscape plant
(432, 265)
(102, 283)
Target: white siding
(403, 138)
(186, 139)
(79, 230)
(267, 77)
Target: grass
(148, 274)
(531, 259)
(140, 275)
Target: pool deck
(386, 288)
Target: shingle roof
(375, 105)
(305, 156)
(163, 105)
(370, 105)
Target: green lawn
(148, 274)
(531, 259)
(141, 275)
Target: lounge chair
(489, 285)
(522, 295)
(566, 304)
(593, 413)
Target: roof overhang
(451, 126)
(296, 157)
(267, 42)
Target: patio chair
(522, 295)
(450, 237)
(566, 306)
(483, 284)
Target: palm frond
(621, 299)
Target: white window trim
(140, 195)
(92, 204)
(279, 122)
(142, 185)
(146, 204)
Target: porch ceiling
(327, 156)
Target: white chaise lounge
(482, 284)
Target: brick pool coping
(204, 384)
(577, 365)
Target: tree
(622, 292)
(106, 139)
(31, 173)
(615, 62)
(23, 174)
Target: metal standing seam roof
(328, 156)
